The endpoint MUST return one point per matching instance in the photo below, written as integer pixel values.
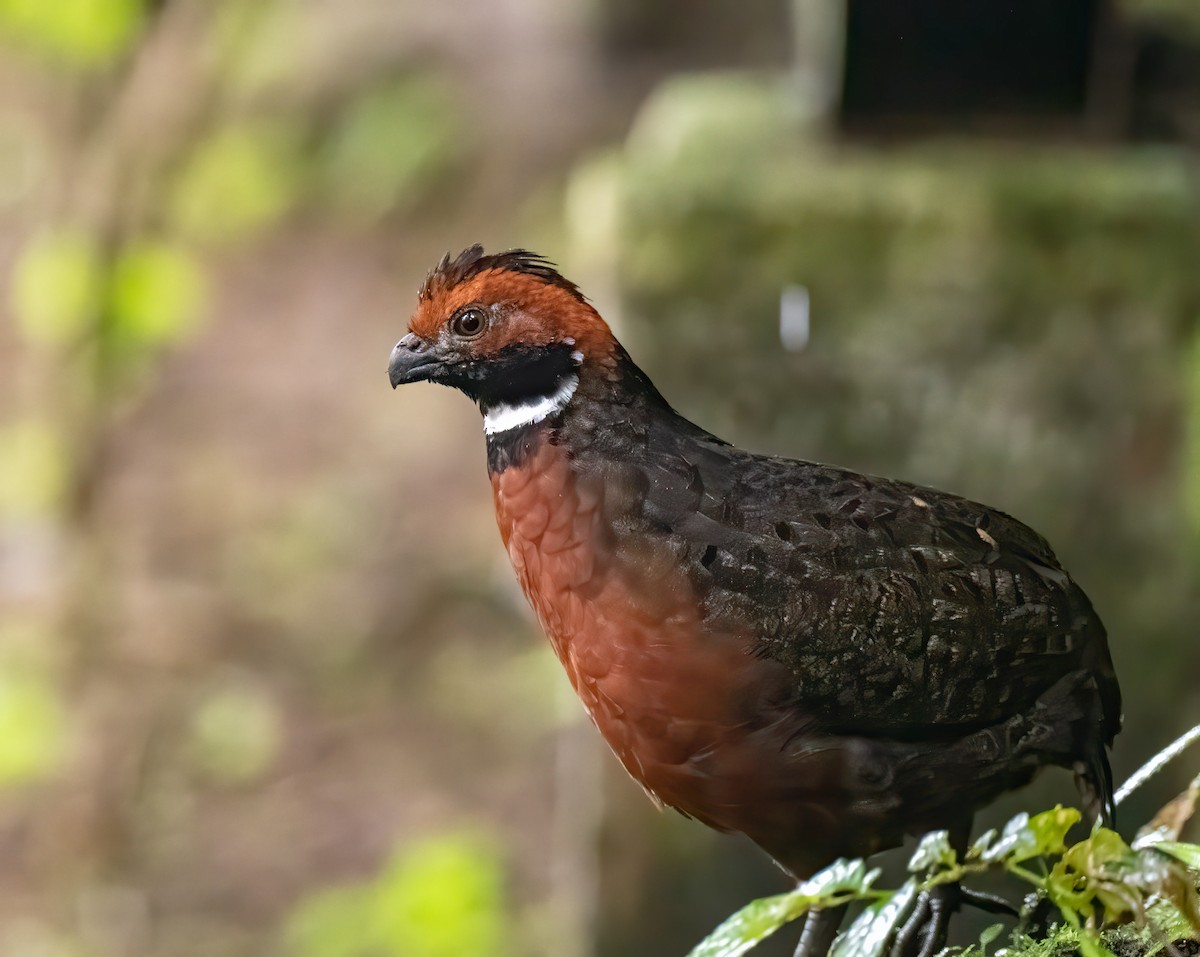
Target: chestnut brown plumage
(821, 660)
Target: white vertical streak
(794, 318)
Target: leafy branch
(1098, 882)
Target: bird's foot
(923, 934)
(820, 927)
(989, 903)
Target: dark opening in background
(929, 60)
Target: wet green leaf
(756, 921)
(842, 880)
(934, 852)
(981, 844)
(988, 935)
(1102, 848)
(868, 936)
(841, 876)
(1024, 837)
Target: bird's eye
(469, 323)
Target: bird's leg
(943, 901)
(906, 938)
(820, 927)
(923, 934)
(989, 903)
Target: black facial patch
(514, 374)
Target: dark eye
(469, 323)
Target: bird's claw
(923, 933)
(820, 927)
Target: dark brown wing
(901, 611)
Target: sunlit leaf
(841, 876)
(756, 921)
(83, 33)
(981, 844)
(56, 286)
(1024, 837)
(934, 851)
(157, 294)
(868, 936)
(842, 880)
(1189, 854)
(1103, 847)
(238, 182)
(989, 934)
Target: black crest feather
(472, 261)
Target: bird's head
(506, 329)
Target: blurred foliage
(56, 284)
(67, 294)
(1181, 14)
(156, 295)
(1191, 482)
(258, 45)
(34, 473)
(76, 33)
(33, 727)
(441, 897)
(388, 146)
(237, 181)
(236, 734)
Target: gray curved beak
(411, 361)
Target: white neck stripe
(505, 417)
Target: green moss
(1063, 941)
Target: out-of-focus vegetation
(266, 686)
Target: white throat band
(505, 417)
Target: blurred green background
(266, 684)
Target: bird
(823, 661)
